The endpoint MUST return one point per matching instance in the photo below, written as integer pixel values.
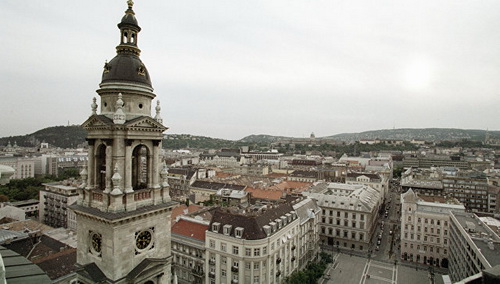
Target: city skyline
(230, 69)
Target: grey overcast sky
(231, 68)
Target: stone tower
(124, 209)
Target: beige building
(262, 244)
(123, 209)
(425, 233)
(372, 180)
(349, 214)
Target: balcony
(211, 261)
(234, 269)
(197, 272)
(211, 275)
(234, 281)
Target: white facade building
(425, 233)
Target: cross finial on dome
(130, 3)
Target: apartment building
(348, 214)
(470, 188)
(373, 180)
(425, 236)
(474, 246)
(260, 244)
(55, 199)
(188, 250)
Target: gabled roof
(190, 229)
(101, 121)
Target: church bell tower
(124, 207)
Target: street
(351, 269)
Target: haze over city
(228, 69)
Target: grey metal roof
(19, 270)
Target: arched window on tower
(133, 38)
(140, 170)
(100, 162)
(125, 37)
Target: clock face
(96, 242)
(143, 239)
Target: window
(212, 244)
(264, 250)
(223, 273)
(215, 227)
(223, 260)
(338, 213)
(346, 215)
(256, 279)
(236, 250)
(223, 246)
(362, 217)
(227, 229)
(238, 232)
(256, 252)
(256, 265)
(236, 263)
(248, 251)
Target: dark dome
(126, 68)
(129, 19)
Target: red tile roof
(179, 210)
(190, 229)
(264, 193)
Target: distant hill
(72, 136)
(428, 134)
(56, 136)
(262, 138)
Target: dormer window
(284, 220)
(238, 232)
(227, 229)
(215, 227)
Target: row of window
(426, 248)
(346, 214)
(345, 234)
(426, 229)
(427, 221)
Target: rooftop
(190, 229)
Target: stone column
(128, 166)
(91, 165)
(109, 166)
(156, 165)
